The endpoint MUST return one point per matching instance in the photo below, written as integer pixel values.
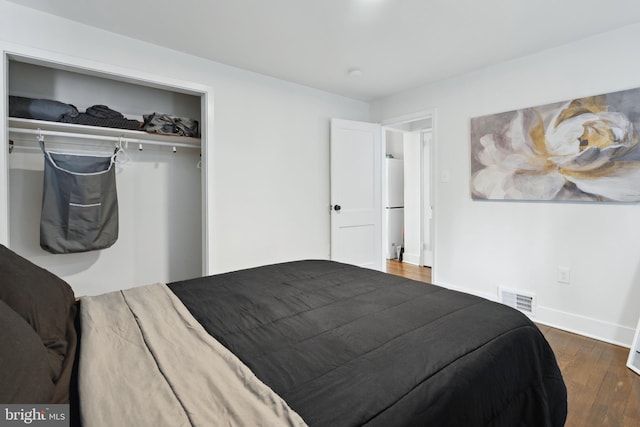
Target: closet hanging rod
(38, 132)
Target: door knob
(337, 207)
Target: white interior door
(356, 196)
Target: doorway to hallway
(409, 142)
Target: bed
(311, 342)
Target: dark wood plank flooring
(602, 391)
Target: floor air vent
(519, 300)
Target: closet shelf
(18, 125)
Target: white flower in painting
(578, 154)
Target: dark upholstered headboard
(38, 337)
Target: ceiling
(396, 44)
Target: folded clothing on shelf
(168, 124)
(56, 111)
(40, 109)
(101, 115)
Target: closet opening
(162, 178)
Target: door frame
(424, 220)
(396, 123)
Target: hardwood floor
(601, 390)
(423, 274)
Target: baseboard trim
(582, 325)
(491, 297)
(600, 330)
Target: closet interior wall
(159, 191)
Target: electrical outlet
(564, 275)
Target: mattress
(348, 346)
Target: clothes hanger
(120, 149)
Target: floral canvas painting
(585, 149)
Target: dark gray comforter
(346, 346)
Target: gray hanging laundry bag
(79, 202)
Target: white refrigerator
(394, 206)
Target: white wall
(270, 140)
(482, 244)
